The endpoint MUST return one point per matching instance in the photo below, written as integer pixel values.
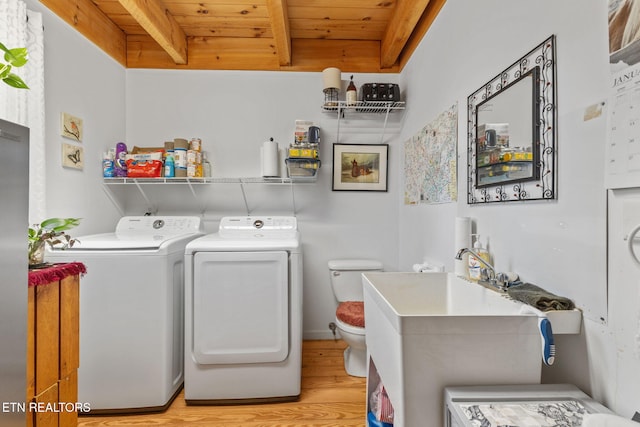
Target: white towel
(606, 420)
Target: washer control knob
(158, 223)
(258, 223)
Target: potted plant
(13, 58)
(50, 232)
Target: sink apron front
(421, 347)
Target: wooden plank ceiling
(276, 35)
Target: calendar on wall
(622, 168)
(622, 154)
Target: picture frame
(360, 167)
(72, 156)
(71, 127)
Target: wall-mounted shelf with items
(199, 181)
(380, 107)
(368, 110)
(302, 169)
(193, 183)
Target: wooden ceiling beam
(402, 24)
(161, 26)
(205, 53)
(278, 14)
(258, 54)
(351, 56)
(85, 17)
(253, 34)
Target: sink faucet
(497, 280)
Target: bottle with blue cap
(169, 167)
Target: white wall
(233, 113)
(541, 232)
(83, 81)
(559, 245)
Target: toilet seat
(350, 329)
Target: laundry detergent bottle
(474, 264)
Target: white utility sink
(426, 331)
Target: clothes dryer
(132, 312)
(243, 307)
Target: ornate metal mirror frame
(495, 168)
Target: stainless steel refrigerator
(14, 270)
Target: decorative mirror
(511, 132)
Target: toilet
(346, 282)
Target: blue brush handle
(548, 346)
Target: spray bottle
(108, 169)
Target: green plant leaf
(51, 232)
(16, 57)
(15, 81)
(51, 222)
(5, 70)
(60, 224)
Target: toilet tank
(346, 277)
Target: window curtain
(20, 27)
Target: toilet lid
(351, 313)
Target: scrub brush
(546, 334)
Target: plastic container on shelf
(120, 164)
(108, 166)
(301, 168)
(180, 147)
(206, 165)
(169, 167)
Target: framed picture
(72, 156)
(360, 167)
(71, 127)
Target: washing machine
(132, 312)
(243, 311)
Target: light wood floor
(329, 398)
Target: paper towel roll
(269, 154)
(462, 240)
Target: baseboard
(319, 335)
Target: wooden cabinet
(53, 353)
